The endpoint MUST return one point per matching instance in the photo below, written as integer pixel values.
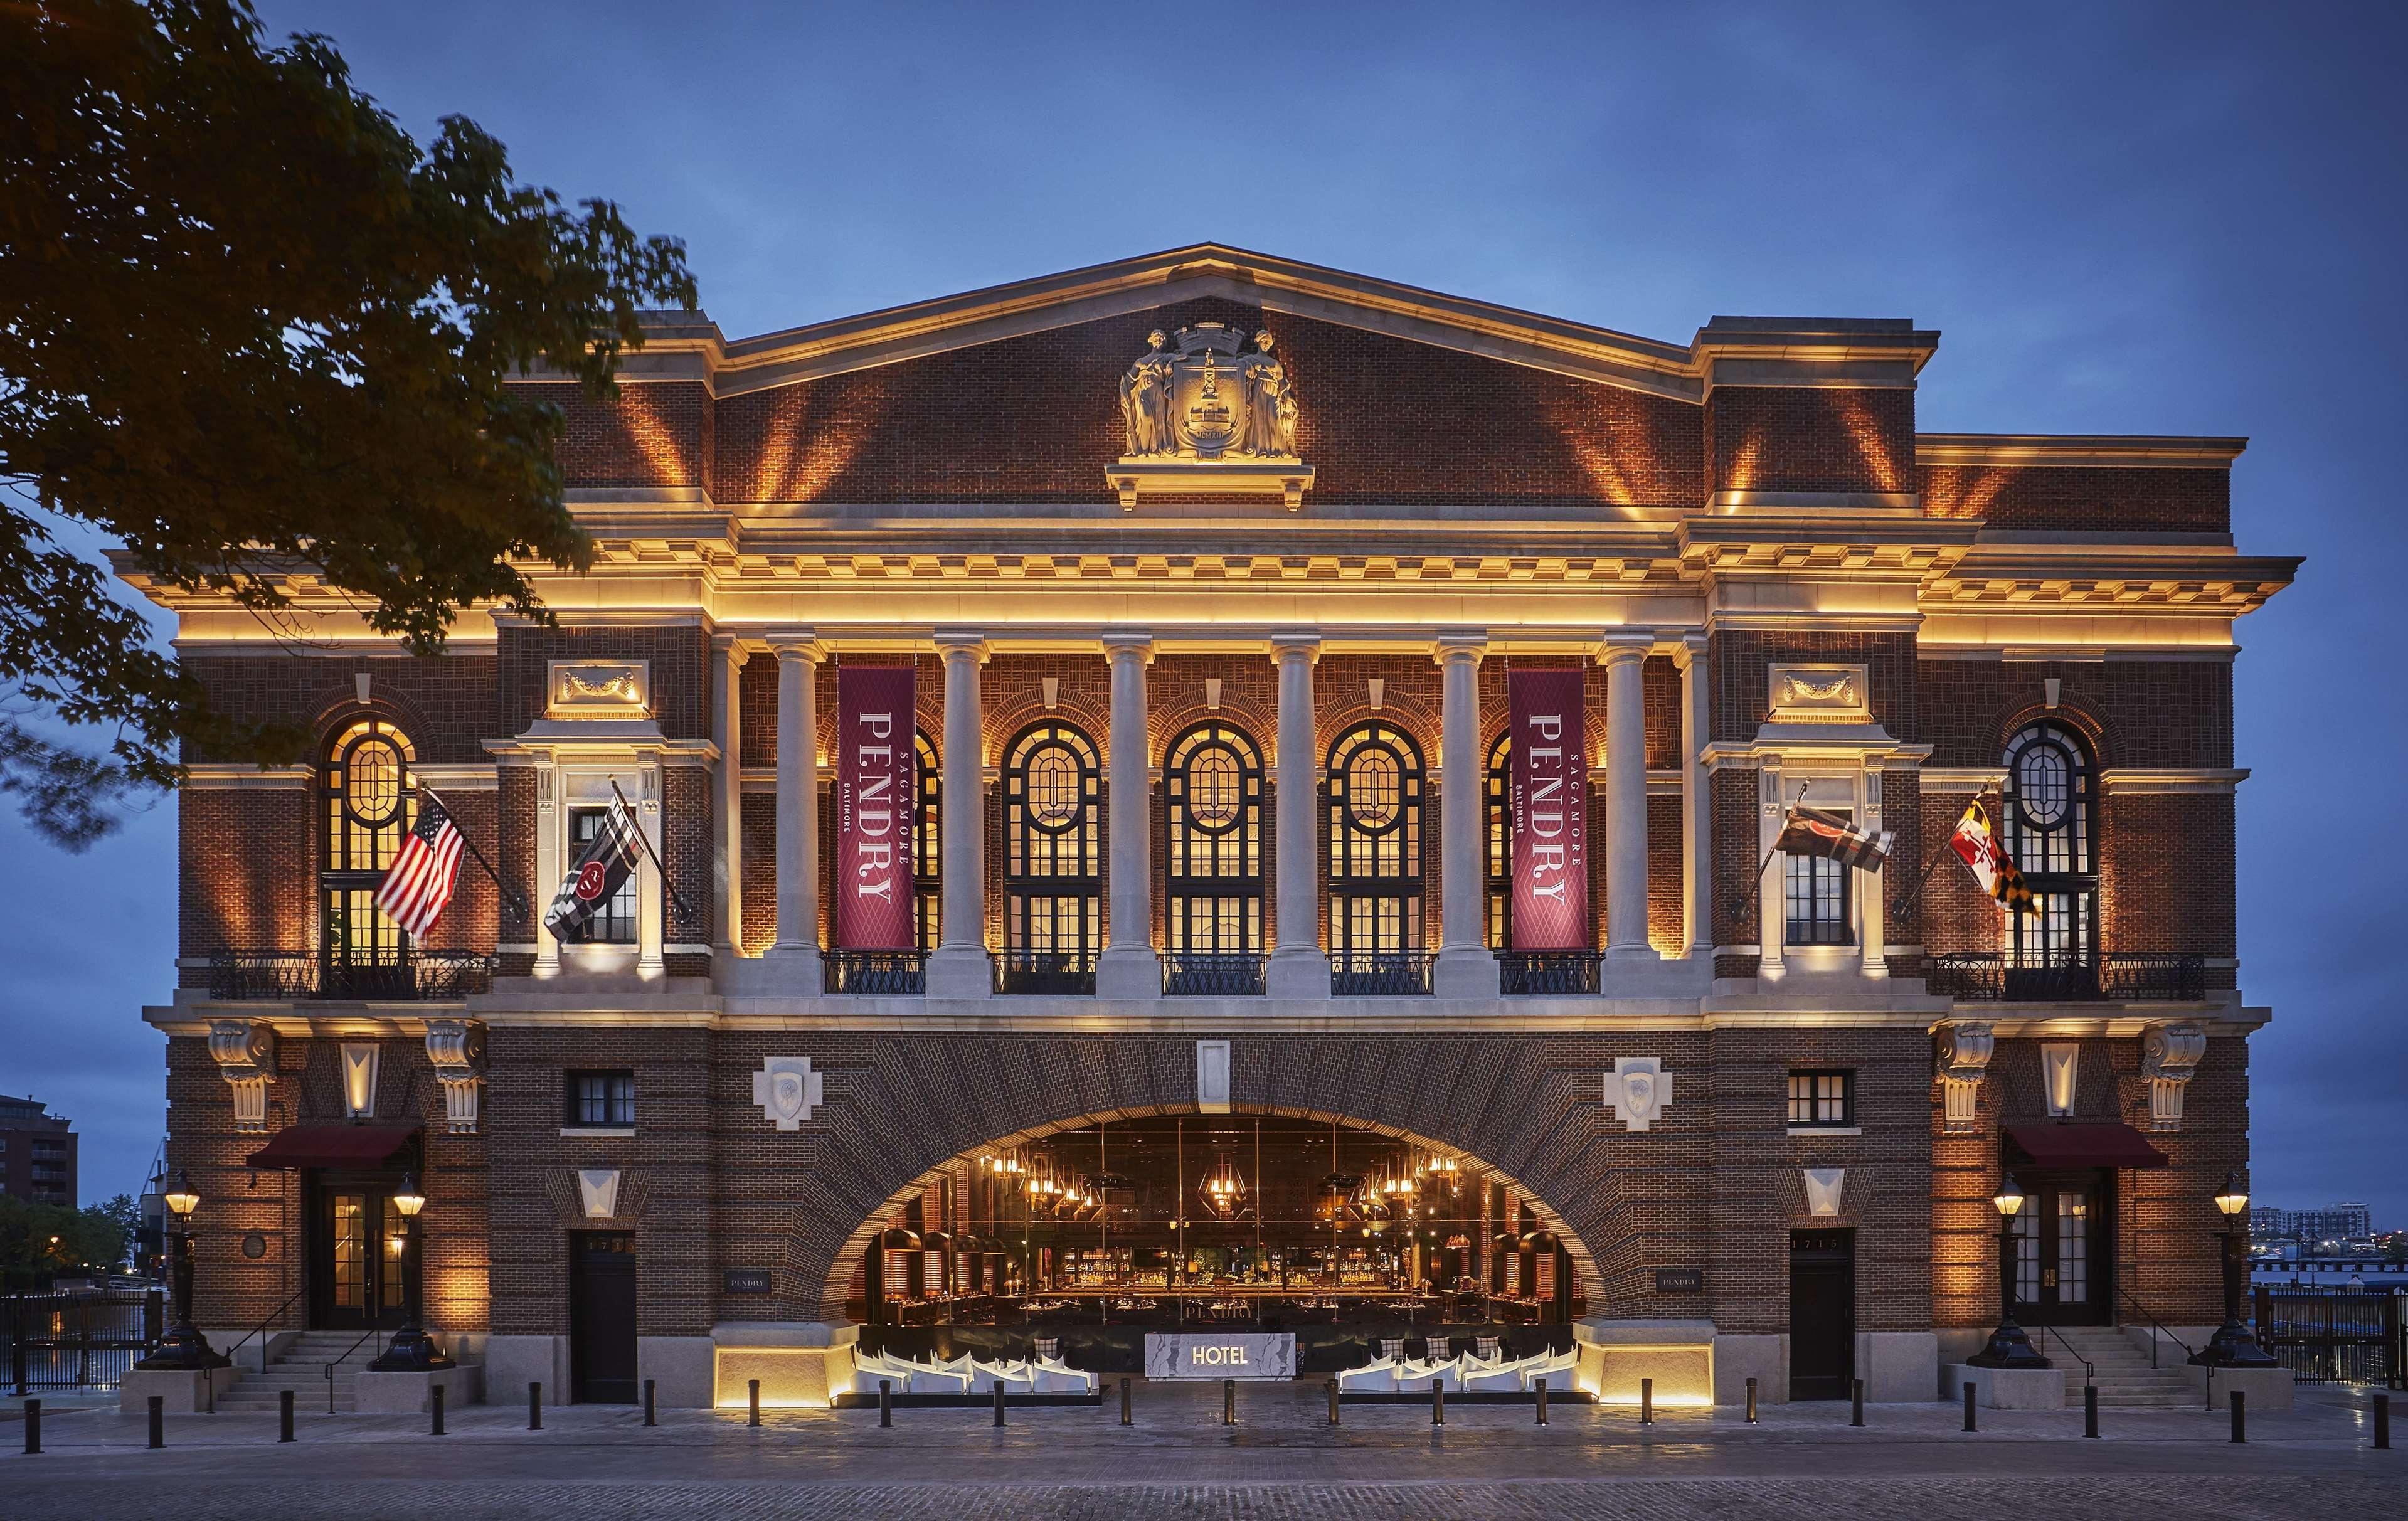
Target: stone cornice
(2121, 451)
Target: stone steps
(2119, 1369)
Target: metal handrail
(346, 1356)
(2089, 1374)
(260, 1330)
(2155, 1323)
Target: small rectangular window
(614, 923)
(1816, 889)
(601, 1099)
(1824, 1098)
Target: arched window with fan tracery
(2051, 834)
(1375, 778)
(1499, 857)
(927, 857)
(1054, 872)
(1212, 799)
(370, 802)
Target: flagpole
(516, 900)
(645, 841)
(1915, 898)
(1756, 886)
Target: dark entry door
(602, 1317)
(1822, 1313)
(355, 1266)
(2061, 1274)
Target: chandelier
(1223, 1189)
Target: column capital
(1691, 649)
(1129, 643)
(1297, 644)
(796, 644)
(726, 642)
(1619, 644)
(1460, 644)
(968, 642)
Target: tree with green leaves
(248, 324)
(42, 1242)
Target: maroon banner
(875, 787)
(1550, 809)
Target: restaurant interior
(1090, 1237)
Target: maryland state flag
(1999, 876)
(1810, 831)
(599, 872)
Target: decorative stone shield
(787, 1090)
(1638, 1090)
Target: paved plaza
(1178, 1460)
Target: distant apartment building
(37, 1153)
(2333, 1222)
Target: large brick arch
(1524, 1110)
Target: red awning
(335, 1146)
(2081, 1145)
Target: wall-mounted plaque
(254, 1246)
(744, 1280)
(599, 689)
(1679, 1280)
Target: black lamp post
(2008, 1346)
(411, 1350)
(183, 1347)
(2233, 1347)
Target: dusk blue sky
(2175, 219)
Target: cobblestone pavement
(1178, 1460)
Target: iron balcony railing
(1211, 974)
(888, 973)
(1045, 971)
(287, 976)
(2117, 977)
(1376, 974)
(1547, 973)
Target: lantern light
(410, 1200)
(2008, 1200)
(2233, 1199)
(181, 1198)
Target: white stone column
(1300, 968)
(1697, 803)
(727, 839)
(1129, 969)
(651, 907)
(1466, 969)
(1872, 896)
(798, 653)
(550, 864)
(960, 967)
(1625, 796)
(1771, 890)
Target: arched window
(370, 803)
(928, 857)
(1375, 843)
(1212, 799)
(2051, 834)
(1501, 842)
(1054, 874)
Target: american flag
(418, 884)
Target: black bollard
(998, 1402)
(1750, 1402)
(2240, 1419)
(752, 1402)
(1538, 1398)
(1333, 1401)
(885, 1401)
(33, 1426)
(1855, 1401)
(1126, 1418)
(649, 1417)
(1229, 1401)
(2090, 1410)
(435, 1393)
(283, 1414)
(534, 1407)
(1647, 1401)
(158, 1421)
(1438, 1402)
(1969, 1404)
(2382, 1423)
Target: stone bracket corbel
(1960, 1057)
(457, 1047)
(245, 1052)
(2170, 1056)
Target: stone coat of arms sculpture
(1202, 415)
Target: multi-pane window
(601, 1099)
(615, 924)
(1825, 1098)
(366, 789)
(927, 851)
(1375, 841)
(1499, 780)
(1212, 795)
(2051, 834)
(1053, 875)
(1816, 890)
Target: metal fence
(2335, 1336)
(78, 1340)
